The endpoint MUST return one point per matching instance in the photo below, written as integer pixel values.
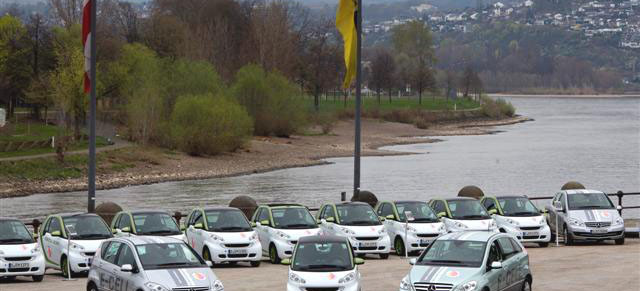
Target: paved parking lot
(582, 267)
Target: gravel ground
(582, 267)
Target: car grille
(425, 286)
(606, 234)
(321, 289)
(15, 259)
(293, 242)
(191, 289)
(367, 238)
(597, 224)
(236, 245)
(90, 254)
(530, 227)
(428, 234)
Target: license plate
(18, 265)
(425, 241)
(368, 244)
(530, 233)
(599, 230)
(238, 252)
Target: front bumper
(419, 241)
(588, 233)
(534, 234)
(235, 252)
(80, 261)
(382, 245)
(354, 286)
(36, 267)
(284, 247)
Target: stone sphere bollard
(107, 210)
(471, 191)
(367, 197)
(246, 204)
(572, 185)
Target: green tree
(14, 61)
(413, 39)
(185, 77)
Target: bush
(497, 108)
(207, 125)
(271, 100)
(326, 121)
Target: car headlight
(469, 286)
(281, 234)
(296, 279)
(348, 278)
(216, 237)
(36, 249)
(384, 230)
(575, 222)
(411, 229)
(619, 221)
(460, 225)
(543, 221)
(347, 231)
(405, 284)
(1, 253)
(442, 229)
(253, 237)
(75, 246)
(217, 286)
(493, 224)
(155, 286)
(509, 221)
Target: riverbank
(501, 95)
(262, 155)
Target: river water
(595, 141)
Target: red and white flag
(86, 41)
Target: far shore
(266, 154)
(631, 95)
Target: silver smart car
(585, 215)
(150, 263)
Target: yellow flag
(346, 24)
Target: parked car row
(461, 243)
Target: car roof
(284, 205)
(134, 212)
(145, 240)
(510, 196)
(408, 201)
(459, 199)
(72, 214)
(321, 239)
(469, 235)
(583, 191)
(8, 219)
(351, 203)
(214, 208)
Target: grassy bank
(371, 103)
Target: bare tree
(382, 71)
(68, 12)
(450, 82)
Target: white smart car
(463, 214)
(414, 235)
(145, 222)
(280, 226)
(20, 254)
(80, 233)
(150, 263)
(359, 223)
(518, 216)
(223, 235)
(323, 263)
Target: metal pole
(92, 115)
(356, 172)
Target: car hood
(296, 234)
(442, 274)
(184, 277)
(595, 215)
(482, 224)
(236, 237)
(522, 220)
(368, 230)
(23, 250)
(433, 227)
(88, 245)
(322, 279)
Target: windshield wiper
(361, 222)
(425, 220)
(161, 231)
(445, 262)
(315, 267)
(594, 206)
(91, 235)
(298, 225)
(175, 264)
(226, 228)
(527, 213)
(475, 216)
(10, 240)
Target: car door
(263, 229)
(490, 204)
(329, 212)
(197, 235)
(494, 276)
(439, 208)
(52, 240)
(107, 266)
(125, 281)
(509, 264)
(126, 225)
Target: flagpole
(356, 156)
(92, 114)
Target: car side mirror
(286, 262)
(209, 264)
(558, 206)
(126, 268)
(618, 207)
(391, 217)
(253, 224)
(264, 222)
(35, 237)
(493, 211)
(126, 229)
(198, 226)
(359, 261)
(544, 211)
(182, 228)
(442, 214)
(413, 261)
(330, 219)
(496, 265)
(382, 218)
(56, 233)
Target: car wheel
(92, 287)
(273, 255)
(620, 241)
(206, 254)
(255, 264)
(65, 268)
(384, 256)
(37, 278)
(398, 245)
(526, 285)
(568, 240)
(543, 244)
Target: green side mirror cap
(442, 214)
(253, 224)
(359, 261)
(264, 222)
(382, 218)
(286, 262)
(493, 211)
(182, 228)
(198, 226)
(126, 229)
(56, 233)
(330, 219)
(391, 217)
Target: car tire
(206, 254)
(543, 244)
(273, 255)
(526, 285)
(398, 246)
(64, 269)
(384, 256)
(92, 287)
(620, 241)
(255, 264)
(37, 278)
(568, 240)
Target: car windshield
(227, 221)
(14, 232)
(589, 201)
(518, 206)
(454, 253)
(357, 214)
(467, 209)
(86, 227)
(168, 255)
(420, 210)
(293, 218)
(155, 224)
(322, 257)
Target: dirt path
(118, 144)
(585, 267)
